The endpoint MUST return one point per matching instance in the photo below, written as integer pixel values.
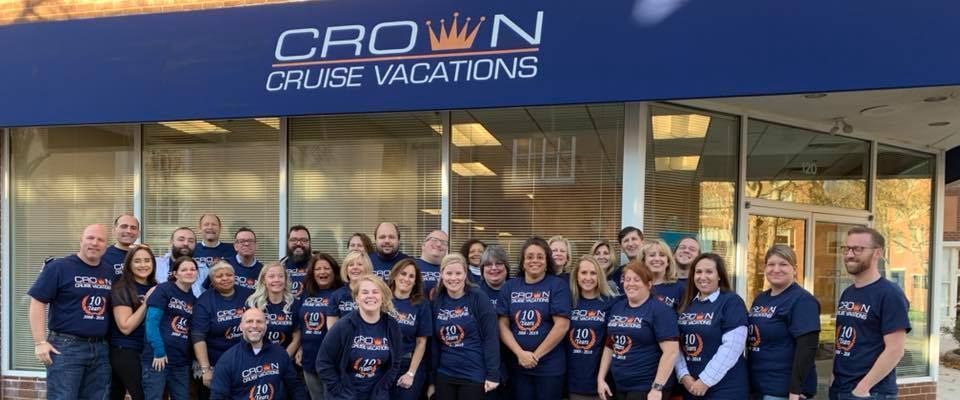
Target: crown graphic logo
(456, 37)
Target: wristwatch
(656, 386)
(410, 374)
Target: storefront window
(904, 216)
(691, 178)
(227, 167)
(544, 171)
(350, 172)
(801, 166)
(63, 179)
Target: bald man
(126, 231)
(434, 247)
(255, 368)
(77, 290)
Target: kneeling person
(255, 368)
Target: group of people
(208, 320)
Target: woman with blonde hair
(592, 297)
(560, 248)
(273, 296)
(603, 252)
(355, 264)
(360, 357)
(466, 348)
(656, 255)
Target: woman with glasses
(784, 332)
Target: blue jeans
(80, 371)
(175, 379)
(769, 397)
(846, 395)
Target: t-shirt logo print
(179, 326)
(452, 335)
(846, 338)
(313, 322)
(753, 338)
(527, 321)
(582, 339)
(692, 345)
(261, 392)
(621, 344)
(366, 367)
(93, 307)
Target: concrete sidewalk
(948, 381)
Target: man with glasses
(435, 246)
(871, 325)
(126, 231)
(245, 264)
(298, 255)
(387, 252)
(210, 249)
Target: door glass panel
(829, 279)
(763, 232)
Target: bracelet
(39, 343)
(410, 374)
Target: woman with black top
(129, 299)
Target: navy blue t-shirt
(702, 326)
(584, 344)
(458, 334)
(133, 341)
(369, 355)
(531, 308)
(493, 294)
(431, 275)
(78, 295)
(297, 272)
(219, 318)
(245, 276)
(634, 335)
(864, 316)
(280, 324)
(775, 323)
(177, 307)
(312, 315)
(670, 294)
(414, 320)
(267, 375)
(114, 257)
(343, 301)
(382, 266)
(210, 255)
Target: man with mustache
(182, 243)
(298, 254)
(255, 368)
(210, 249)
(126, 231)
(387, 252)
(871, 326)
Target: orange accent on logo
(845, 344)
(261, 392)
(694, 349)
(179, 325)
(456, 37)
(524, 325)
(90, 309)
(621, 347)
(454, 339)
(753, 339)
(581, 344)
(314, 325)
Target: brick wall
(918, 391)
(23, 11)
(12, 388)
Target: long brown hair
(127, 283)
(692, 290)
(416, 294)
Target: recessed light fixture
(469, 169)
(680, 126)
(939, 123)
(815, 95)
(936, 99)
(271, 122)
(469, 135)
(479, 228)
(504, 234)
(431, 211)
(461, 220)
(681, 163)
(197, 127)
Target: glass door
(770, 228)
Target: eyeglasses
(440, 241)
(855, 249)
(244, 242)
(298, 240)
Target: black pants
(630, 396)
(126, 374)
(457, 389)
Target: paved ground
(948, 383)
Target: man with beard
(631, 244)
(434, 248)
(210, 250)
(686, 251)
(387, 251)
(182, 243)
(126, 231)
(254, 368)
(298, 254)
(871, 325)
